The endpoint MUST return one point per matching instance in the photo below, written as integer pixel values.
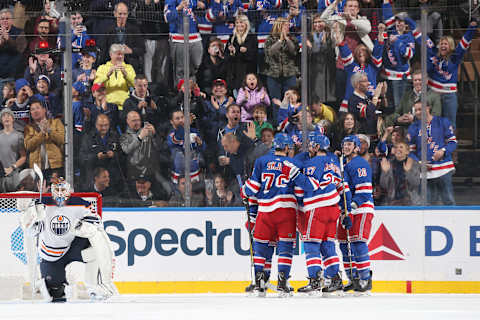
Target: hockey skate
(250, 288)
(283, 288)
(333, 287)
(259, 289)
(313, 287)
(351, 285)
(364, 287)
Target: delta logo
(383, 247)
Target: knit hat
(44, 78)
(97, 86)
(364, 138)
(20, 83)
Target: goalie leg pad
(104, 256)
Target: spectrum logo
(383, 247)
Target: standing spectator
(141, 145)
(213, 66)
(443, 62)
(354, 29)
(362, 60)
(281, 50)
(141, 101)
(79, 36)
(222, 14)
(441, 143)
(8, 92)
(361, 106)
(43, 35)
(20, 105)
(44, 140)
(250, 94)
(371, 10)
(217, 109)
(404, 115)
(12, 152)
(101, 106)
(101, 148)
(241, 52)
(177, 147)
(50, 14)
(116, 75)
(154, 29)
(12, 45)
(174, 11)
(400, 177)
(321, 54)
(128, 35)
(400, 48)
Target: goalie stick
(345, 213)
(33, 261)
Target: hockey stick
(349, 248)
(35, 265)
(250, 235)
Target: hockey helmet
(318, 139)
(61, 191)
(352, 138)
(281, 141)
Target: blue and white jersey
(323, 4)
(221, 15)
(271, 189)
(57, 236)
(358, 175)
(397, 53)
(440, 135)
(175, 20)
(443, 72)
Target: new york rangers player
(271, 184)
(317, 219)
(358, 178)
(69, 230)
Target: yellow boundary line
(150, 287)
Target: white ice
(240, 307)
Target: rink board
(417, 250)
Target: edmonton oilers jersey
(57, 235)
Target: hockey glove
(290, 170)
(346, 222)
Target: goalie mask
(61, 191)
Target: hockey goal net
(14, 271)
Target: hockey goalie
(68, 230)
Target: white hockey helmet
(61, 191)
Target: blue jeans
(278, 86)
(396, 89)
(442, 188)
(449, 107)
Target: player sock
(330, 259)
(313, 258)
(285, 255)
(362, 259)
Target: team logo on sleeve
(60, 225)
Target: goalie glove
(290, 170)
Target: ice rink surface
(241, 307)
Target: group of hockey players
(68, 229)
(323, 197)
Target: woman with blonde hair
(442, 67)
(241, 52)
(281, 50)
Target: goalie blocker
(70, 230)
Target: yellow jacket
(116, 85)
(54, 142)
(327, 113)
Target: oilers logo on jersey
(60, 225)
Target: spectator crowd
(129, 85)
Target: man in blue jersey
(358, 180)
